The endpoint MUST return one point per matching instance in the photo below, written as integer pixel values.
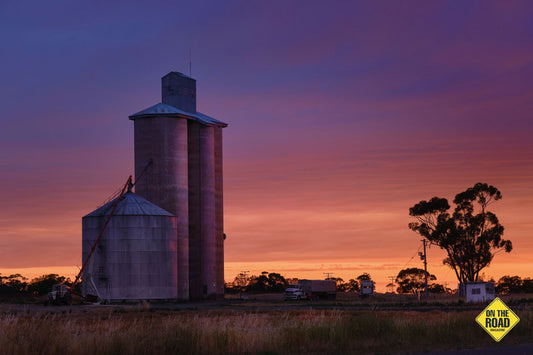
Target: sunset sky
(341, 115)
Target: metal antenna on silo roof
(190, 62)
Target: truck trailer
(311, 290)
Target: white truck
(311, 290)
(60, 295)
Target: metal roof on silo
(130, 205)
(165, 110)
(180, 74)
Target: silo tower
(178, 165)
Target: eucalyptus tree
(470, 235)
(412, 280)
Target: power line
(416, 252)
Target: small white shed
(479, 292)
(367, 288)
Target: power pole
(328, 274)
(243, 287)
(392, 283)
(244, 275)
(425, 268)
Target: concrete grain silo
(136, 258)
(178, 165)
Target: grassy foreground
(145, 331)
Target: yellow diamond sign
(497, 319)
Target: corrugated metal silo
(136, 258)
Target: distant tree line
(266, 282)
(408, 281)
(17, 286)
(274, 282)
(514, 284)
(412, 280)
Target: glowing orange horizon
(334, 130)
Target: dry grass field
(248, 327)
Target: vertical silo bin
(195, 227)
(162, 169)
(219, 212)
(178, 166)
(206, 247)
(208, 243)
(136, 258)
